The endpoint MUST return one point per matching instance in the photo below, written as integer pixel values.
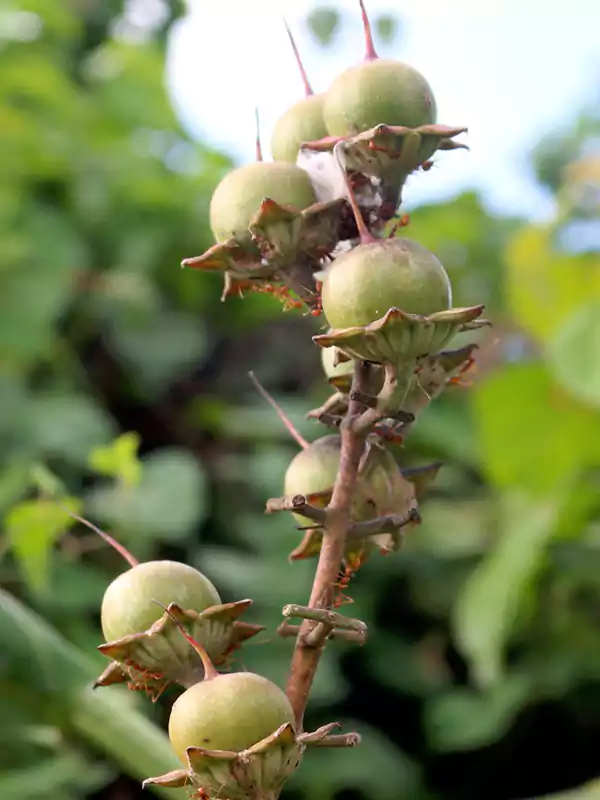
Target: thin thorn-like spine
(308, 91)
(209, 669)
(370, 53)
(121, 549)
(289, 425)
(259, 154)
(366, 237)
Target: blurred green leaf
(531, 433)
(462, 719)
(590, 791)
(543, 286)
(59, 674)
(386, 27)
(168, 502)
(47, 483)
(574, 354)
(494, 594)
(35, 290)
(14, 480)
(382, 770)
(323, 23)
(159, 347)
(66, 426)
(53, 777)
(32, 527)
(119, 460)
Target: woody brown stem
(306, 656)
(331, 618)
(371, 527)
(299, 505)
(287, 631)
(339, 740)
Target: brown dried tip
(366, 237)
(259, 155)
(371, 53)
(121, 549)
(307, 87)
(209, 669)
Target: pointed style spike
(289, 425)
(371, 53)
(121, 549)
(259, 154)
(307, 87)
(366, 237)
(209, 669)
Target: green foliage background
(123, 387)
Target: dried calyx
(432, 375)
(381, 491)
(234, 733)
(302, 122)
(271, 232)
(145, 654)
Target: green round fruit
(378, 92)
(314, 470)
(128, 607)
(363, 284)
(303, 122)
(239, 195)
(231, 712)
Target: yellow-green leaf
(544, 287)
(574, 354)
(493, 595)
(531, 432)
(32, 527)
(119, 459)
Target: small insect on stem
(350, 568)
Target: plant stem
(306, 656)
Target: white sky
(510, 70)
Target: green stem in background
(110, 723)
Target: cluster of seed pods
(317, 227)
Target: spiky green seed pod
(303, 122)
(230, 712)
(128, 605)
(361, 285)
(378, 91)
(239, 195)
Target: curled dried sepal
(282, 232)
(288, 248)
(258, 773)
(389, 154)
(402, 338)
(152, 660)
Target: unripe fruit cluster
(362, 284)
(359, 290)
(222, 712)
